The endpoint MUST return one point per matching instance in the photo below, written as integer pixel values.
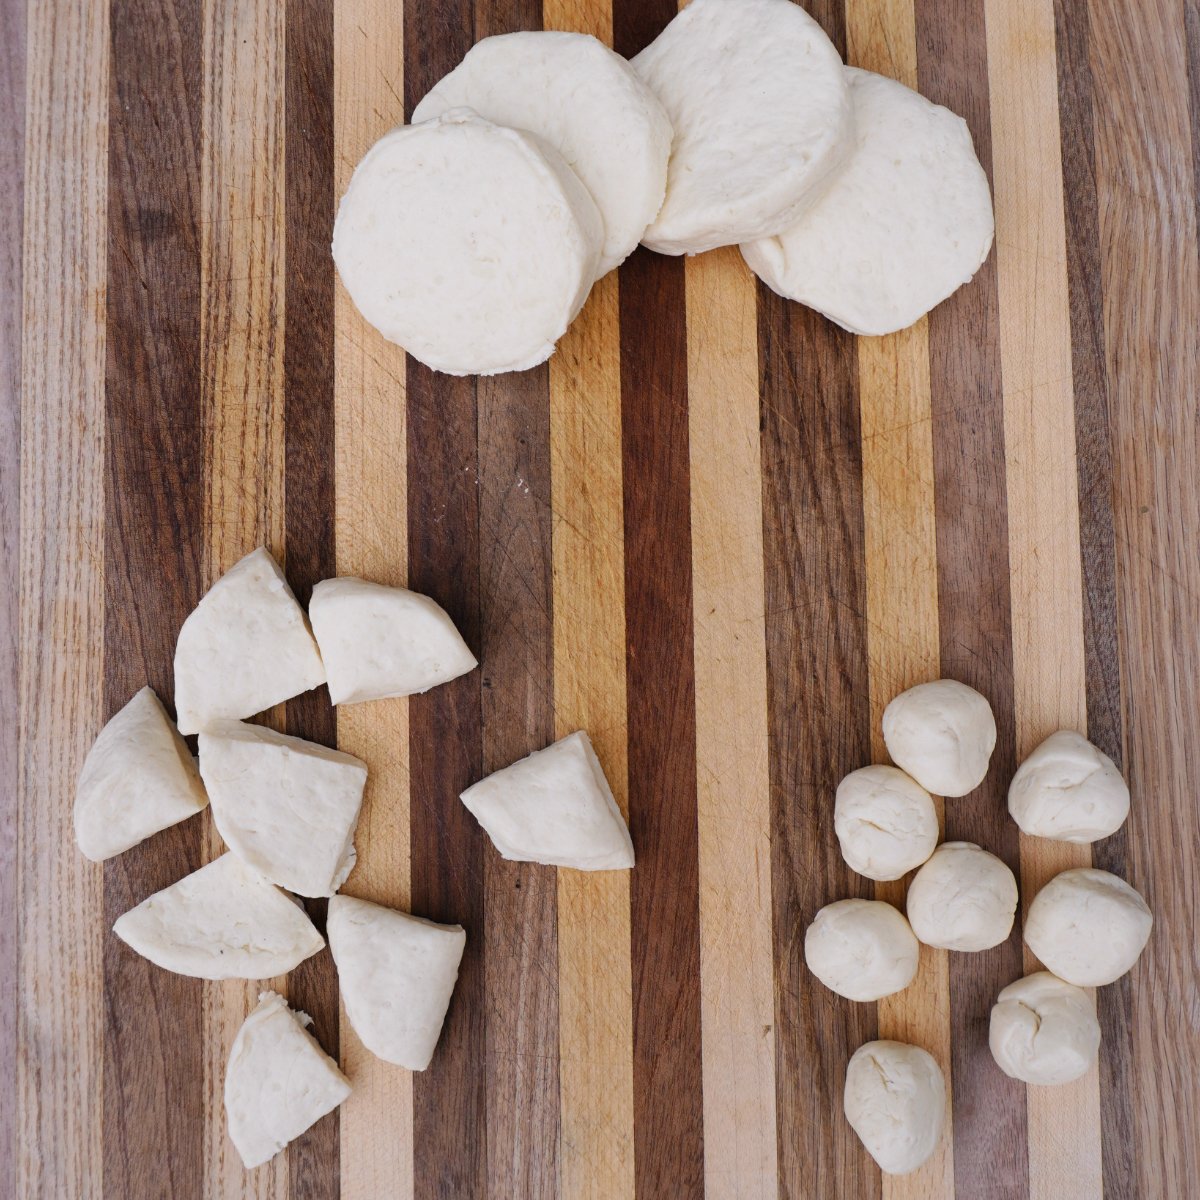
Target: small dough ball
(885, 822)
(1088, 926)
(895, 1101)
(943, 734)
(1044, 1030)
(1069, 790)
(861, 949)
(963, 898)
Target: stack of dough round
(575, 94)
(471, 245)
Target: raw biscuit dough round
(585, 101)
(1044, 1030)
(885, 822)
(471, 245)
(861, 949)
(943, 734)
(905, 223)
(761, 109)
(963, 898)
(1088, 926)
(1069, 790)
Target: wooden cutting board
(715, 531)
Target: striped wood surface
(714, 530)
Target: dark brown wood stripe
(450, 1134)
(12, 228)
(154, 504)
(1093, 446)
(313, 1158)
(990, 1142)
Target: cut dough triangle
(138, 778)
(382, 641)
(245, 647)
(223, 921)
(397, 973)
(285, 806)
(279, 1081)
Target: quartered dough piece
(279, 1081)
(223, 921)
(761, 110)
(382, 641)
(554, 807)
(397, 974)
(471, 245)
(286, 807)
(907, 221)
(585, 101)
(138, 778)
(246, 647)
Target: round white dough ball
(1044, 1030)
(1069, 790)
(963, 898)
(761, 110)
(895, 1101)
(1088, 926)
(585, 101)
(905, 223)
(861, 949)
(471, 245)
(885, 822)
(943, 734)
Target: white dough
(138, 778)
(905, 223)
(1069, 790)
(279, 1081)
(554, 807)
(1088, 926)
(963, 898)
(471, 245)
(585, 101)
(397, 974)
(1044, 1030)
(895, 1101)
(286, 807)
(885, 822)
(861, 949)
(943, 734)
(245, 647)
(761, 109)
(224, 921)
(382, 641)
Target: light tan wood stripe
(595, 971)
(61, 607)
(901, 552)
(371, 538)
(1049, 669)
(242, 324)
(733, 784)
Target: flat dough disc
(762, 116)
(471, 245)
(906, 223)
(585, 101)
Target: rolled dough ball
(1044, 1030)
(861, 949)
(1069, 790)
(963, 898)
(885, 822)
(1088, 926)
(895, 1101)
(943, 734)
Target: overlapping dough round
(471, 245)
